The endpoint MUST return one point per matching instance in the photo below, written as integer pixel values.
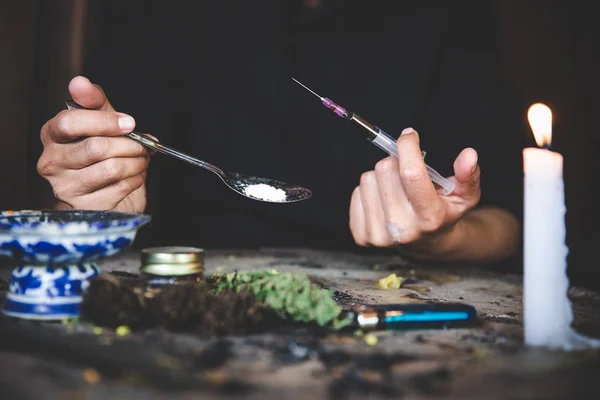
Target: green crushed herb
(291, 295)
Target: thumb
(466, 174)
(88, 95)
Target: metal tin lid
(172, 269)
(172, 260)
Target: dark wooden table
(56, 361)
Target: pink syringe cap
(339, 110)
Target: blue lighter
(413, 316)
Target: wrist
(481, 235)
(446, 244)
(452, 241)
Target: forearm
(483, 235)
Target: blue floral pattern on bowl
(56, 252)
(48, 292)
(66, 236)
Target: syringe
(379, 138)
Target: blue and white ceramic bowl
(66, 237)
(56, 253)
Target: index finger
(69, 125)
(417, 185)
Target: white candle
(547, 310)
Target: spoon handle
(154, 145)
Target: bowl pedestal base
(48, 293)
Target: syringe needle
(336, 108)
(295, 80)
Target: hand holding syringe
(380, 139)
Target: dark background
(549, 49)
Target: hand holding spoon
(261, 189)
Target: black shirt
(214, 80)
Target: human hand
(396, 204)
(87, 160)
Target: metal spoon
(237, 182)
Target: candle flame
(540, 121)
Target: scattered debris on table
(392, 281)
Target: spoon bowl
(264, 189)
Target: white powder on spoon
(265, 192)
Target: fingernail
(126, 123)
(407, 131)
(475, 164)
(98, 86)
(81, 77)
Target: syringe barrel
(385, 142)
(388, 144)
(375, 135)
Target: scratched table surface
(489, 361)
